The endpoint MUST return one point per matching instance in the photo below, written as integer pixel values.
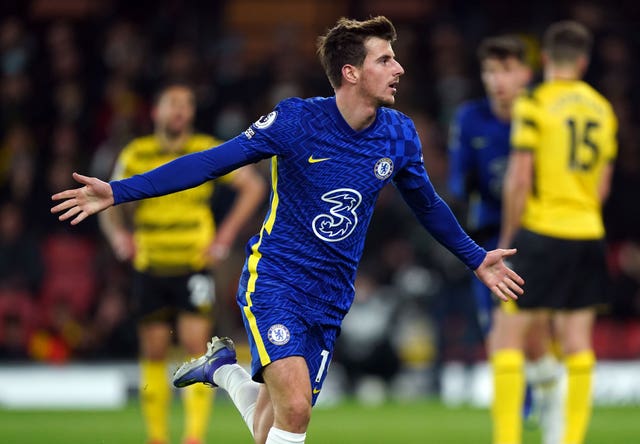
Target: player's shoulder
(294, 109)
(595, 95)
(530, 100)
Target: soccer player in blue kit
(330, 159)
(478, 152)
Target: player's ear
(350, 73)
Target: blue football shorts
(277, 328)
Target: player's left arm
(250, 189)
(435, 215)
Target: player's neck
(561, 72)
(358, 114)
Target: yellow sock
(508, 396)
(578, 403)
(197, 399)
(155, 395)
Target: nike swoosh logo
(316, 391)
(312, 160)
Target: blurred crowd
(77, 84)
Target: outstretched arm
(80, 203)
(184, 172)
(434, 214)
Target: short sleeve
(525, 128)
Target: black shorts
(560, 274)
(161, 298)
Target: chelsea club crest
(383, 168)
(278, 334)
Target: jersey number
(583, 151)
(323, 364)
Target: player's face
(504, 79)
(175, 110)
(380, 72)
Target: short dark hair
(344, 44)
(567, 40)
(502, 47)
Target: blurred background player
(559, 173)
(174, 244)
(479, 151)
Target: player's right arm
(180, 174)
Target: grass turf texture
(412, 423)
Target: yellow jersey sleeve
(526, 124)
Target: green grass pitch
(425, 422)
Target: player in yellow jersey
(173, 244)
(563, 146)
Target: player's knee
(295, 414)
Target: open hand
(501, 280)
(79, 203)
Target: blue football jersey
(325, 180)
(478, 155)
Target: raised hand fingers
(72, 211)
(82, 216)
(64, 205)
(66, 194)
(515, 277)
(86, 180)
(503, 291)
